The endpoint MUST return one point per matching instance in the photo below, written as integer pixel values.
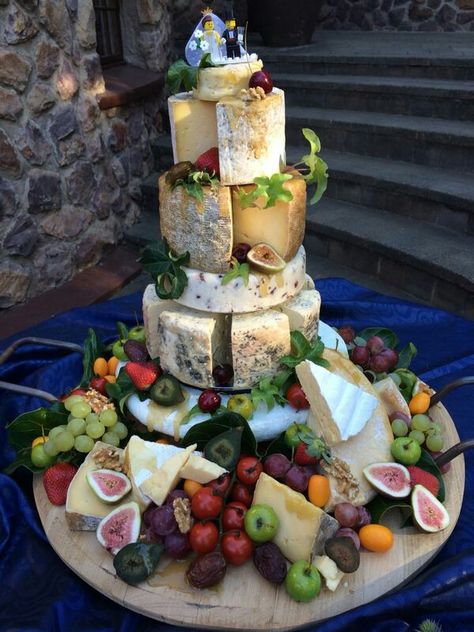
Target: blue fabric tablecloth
(38, 592)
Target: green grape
(76, 426)
(95, 429)
(418, 436)
(81, 410)
(420, 422)
(399, 428)
(108, 417)
(39, 458)
(120, 429)
(64, 441)
(72, 400)
(55, 431)
(50, 447)
(92, 417)
(111, 438)
(83, 443)
(434, 443)
(435, 429)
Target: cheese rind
(303, 312)
(259, 341)
(251, 137)
(205, 291)
(281, 226)
(342, 409)
(193, 126)
(202, 229)
(300, 534)
(224, 81)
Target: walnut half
(346, 484)
(182, 513)
(108, 459)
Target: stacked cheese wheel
(246, 325)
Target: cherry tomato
(236, 547)
(75, 391)
(301, 456)
(296, 397)
(248, 470)
(99, 384)
(220, 485)
(242, 494)
(233, 516)
(205, 505)
(204, 537)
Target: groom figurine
(230, 35)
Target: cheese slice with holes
(193, 126)
(341, 407)
(281, 226)
(164, 480)
(303, 312)
(304, 528)
(203, 229)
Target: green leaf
(267, 392)
(237, 270)
(180, 73)
(122, 330)
(380, 506)
(408, 381)
(93, 349)
(271, 189)
(165, 267)
(201, 433)
(278, 446)
(206, 61)
(389, 337)
(406, 355)
(317, 168)
(194, 183)
(302, 349)
(428, 464)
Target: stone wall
(397, 15)
(70, 174)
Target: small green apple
(292, 439)
(137, 333)
(303, 582)
(261, 523)
(118, 350)
(406, 450)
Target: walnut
(97, 401)
(253, 94)
(346, 484)
(108, 459)
(182, 513)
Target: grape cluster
(421, 428)
(375, 356)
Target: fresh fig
(136, 561)
(343, 551)
(264, 259)
(108, 485)
(428, 513)
(120, 527)
(136, 351)
(179, 171)
(390, 479)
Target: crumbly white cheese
(303, 312)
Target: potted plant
(284, 22)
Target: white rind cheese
(259, 341)
(303, 527)
(331, 339)
(193, 126)
(263, 291)
(224, 81)
(202, 229)
(251, 137)
(303, 312)
(341, 407)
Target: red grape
(346, 514)
(364, 517)
(172, 496)
(276, 465)
(223, 374)
(375, 344)
(163, 521)
(177, 545)
(384, 361)
(347, 333)
(241, 251)
(297, 478)
(360, 356)
(345, 532)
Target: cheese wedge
(163, 480)
(84, 510)
(304, 528)
(342, 409)
(152, 307)
(193, 126)
(329, 570)
(303, 312)
(281, 226)
(370, 445)
(391, 397)
(201, 470)
(202, 229)
(251, 137)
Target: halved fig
(120, 527)
(264, 258)
(428, 513)
(108, 485)
(390, 479)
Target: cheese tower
(236, 134)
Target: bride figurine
(206, 38)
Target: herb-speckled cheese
(205, 291)
(259, 341)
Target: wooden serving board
(244, 598)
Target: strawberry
(421, 477)
(56, 481)
(209, 161)
(142, 374)
(302, 455)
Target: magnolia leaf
(406, 355)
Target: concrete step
(446, 99)
(433, 142)
(431, 262)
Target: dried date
(270, 562)
(207, 570)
